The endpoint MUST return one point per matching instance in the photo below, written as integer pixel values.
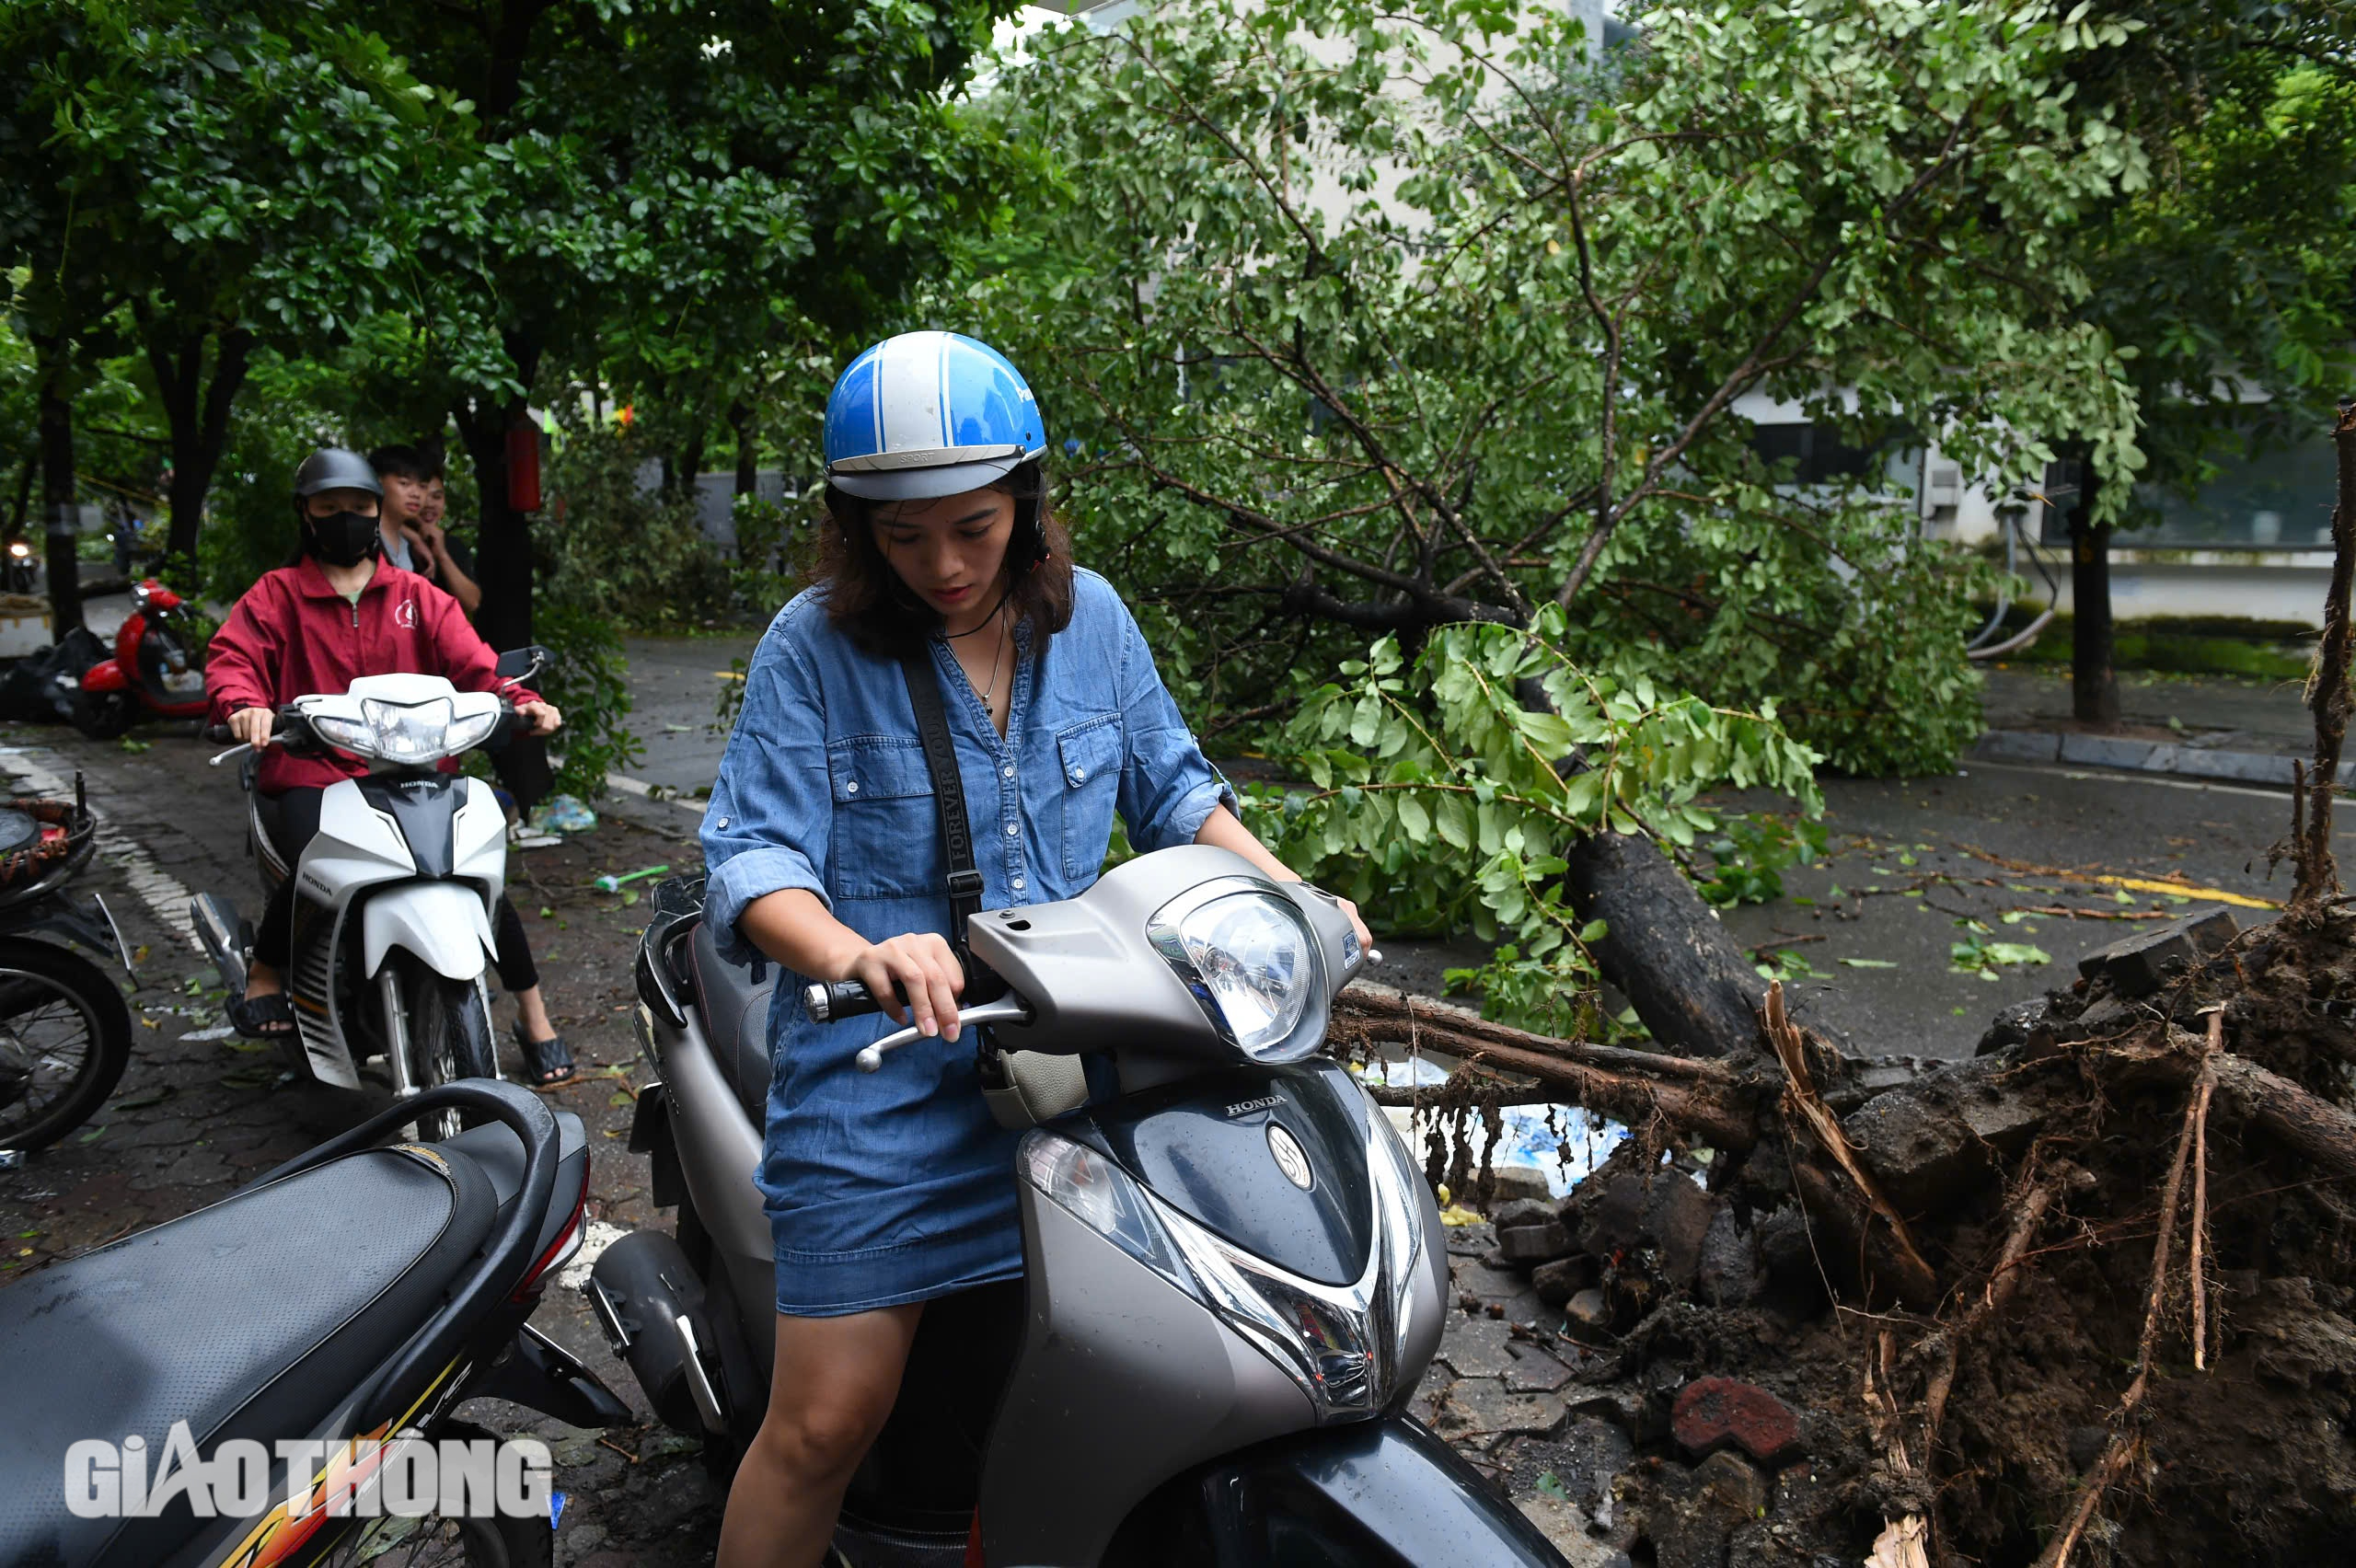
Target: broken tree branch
(1701, 1099)
(2200, 1187)
(2328, 695)
(1915, 1277)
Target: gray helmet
(332, 467)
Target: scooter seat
(735, 1020)
(258, 1317)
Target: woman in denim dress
(824, 851)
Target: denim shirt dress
(896, 1186)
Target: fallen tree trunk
(1665, 948)
(1712, 1101)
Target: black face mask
(342, 538)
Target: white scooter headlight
(409, 733)
(351, 735)
(468, 731)
(1252, 962)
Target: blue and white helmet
(929, 414)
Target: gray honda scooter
(1234, 1276)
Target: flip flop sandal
(262, 1018)
(544, 1057)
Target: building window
(1818, 454)
(2281, 500)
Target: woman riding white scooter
(885, 1191)
(336, 612)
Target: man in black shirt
(415, 540)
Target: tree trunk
(748, 449)
(504, 553)
(690, 463)
(1665, 948)
(199, 414)
(56, 419)
(2094, 685)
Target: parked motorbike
(64, 1028)
(21, 567)
(1235, 1275)
(354, 1293)
(394, 897)
(153, 673)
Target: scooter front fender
(443, 923)
(1370, 1491)
(104, 677)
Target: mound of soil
(1781, 1388)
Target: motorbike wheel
(103, 715)
(64, 1039)
(449, 1035)
(435, 1542)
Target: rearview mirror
(523, 663)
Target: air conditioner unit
(1942, 486)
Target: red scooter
(151, 673)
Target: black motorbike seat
(735, 1020)
(256, 1316)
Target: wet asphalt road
(1917, 861)
(1916, 841)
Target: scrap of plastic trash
(562, 813)
(611, 883)
(1564, 1153)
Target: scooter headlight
(409, 733)
(1252, 962)
(1101, 1195)
(468, 731)
(350, 734)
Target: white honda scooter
(394, 895)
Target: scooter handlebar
(844, 999)
(289, 730)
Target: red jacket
(292, 635)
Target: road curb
(2169, 757)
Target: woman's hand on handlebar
(542, 717)
(925, 968)
(1358, 922)
(253, 726)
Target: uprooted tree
(2089, 1297)
(1393, 325)
(1454, 372)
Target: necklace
(998, 650)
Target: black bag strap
(948, 791)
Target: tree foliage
(1386, 323)
(1383, 320)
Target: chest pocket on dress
(1089, 753)
(887, 835)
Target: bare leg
(261, 980)
(533, 1009)
(835, 1383)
